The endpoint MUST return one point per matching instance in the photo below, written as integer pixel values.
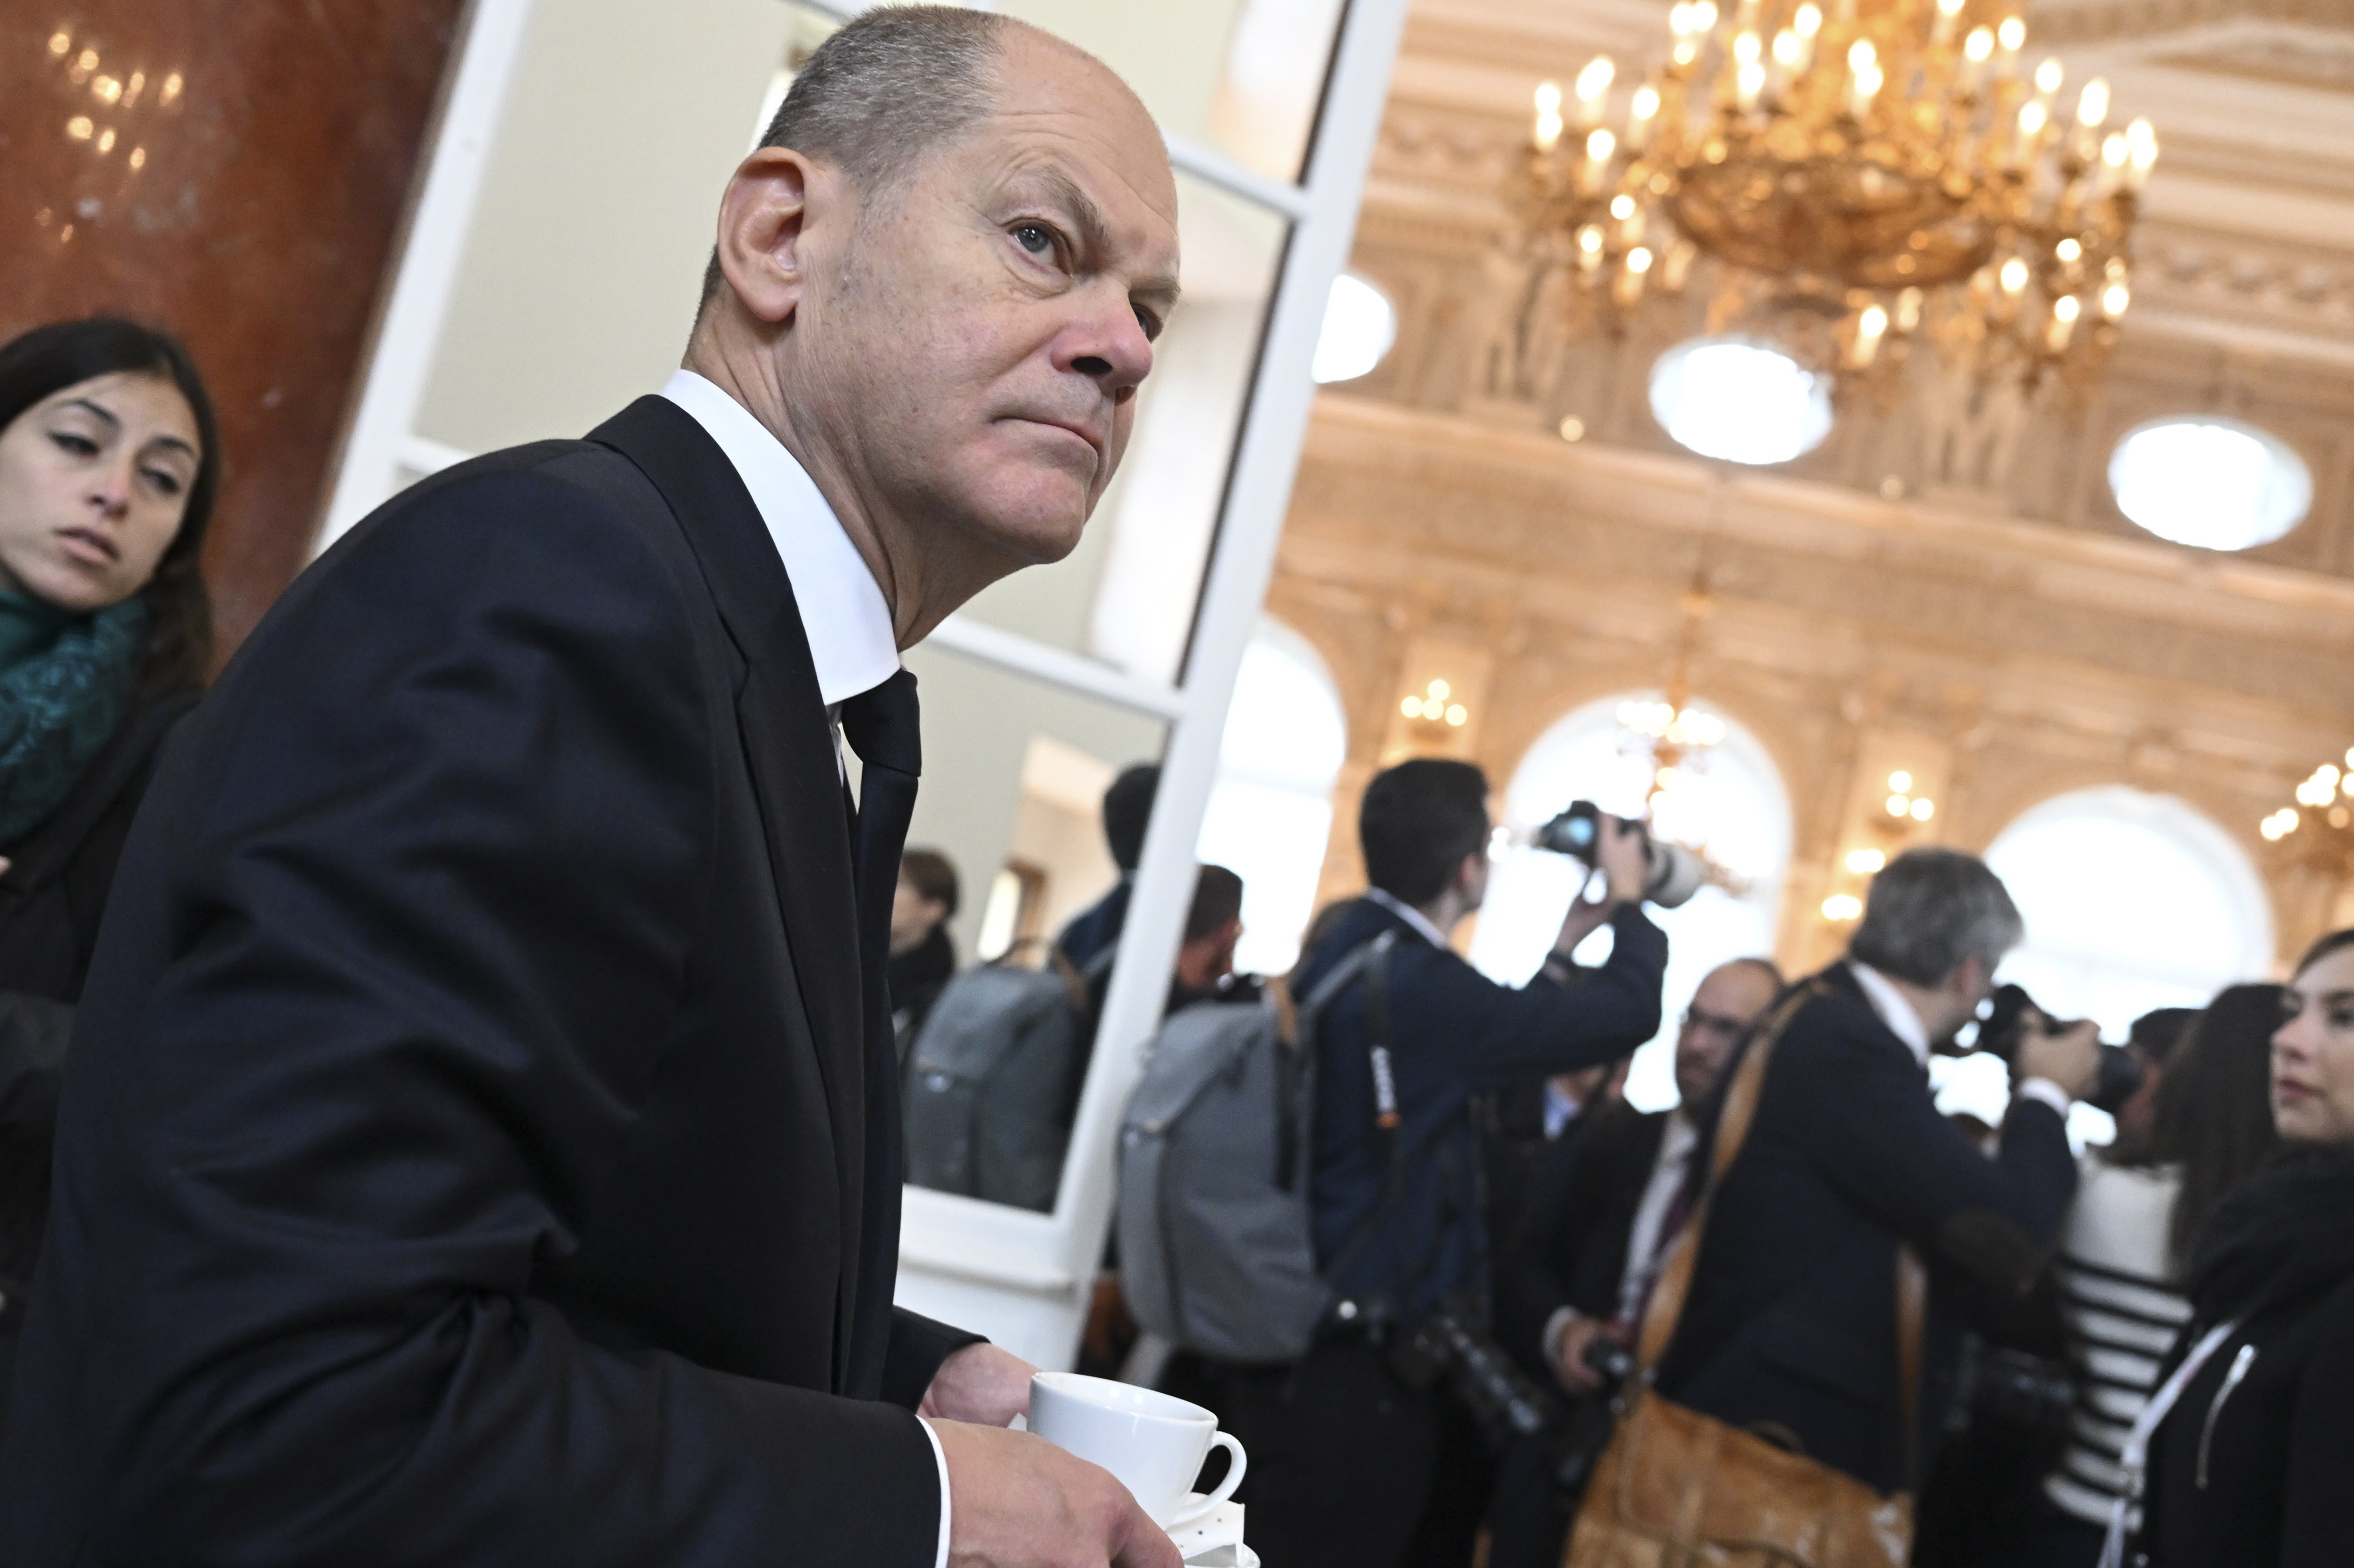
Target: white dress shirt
(1410, 914)
(1645, 1242)
(848, 620)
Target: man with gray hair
(482, 1144)
(1789, 1326)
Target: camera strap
(1372, 963)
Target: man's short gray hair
(888, 89)
(1930, 909)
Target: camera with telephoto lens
(1586, 1432)
(1503, 1401)
(2005, 1026)
(1676, 872)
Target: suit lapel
(789, 750)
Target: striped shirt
(2124, 1313)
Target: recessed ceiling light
(1742, 401)
(2216, 483)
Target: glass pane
(1014, 776)
(1245, 76)
(1126, 594)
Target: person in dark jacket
(1789, 1329)
(2252, 1462)
(109, 462)
(923, 958)
(1585, 1256)
(1351, 1464)
(1127, 813)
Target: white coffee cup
(1154, 1443)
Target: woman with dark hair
(2127, 1247)
(2246, 1455)
(109, 462)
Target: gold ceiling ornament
(1869, 173)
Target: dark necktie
(882, 726)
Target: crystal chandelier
(2319, 795)
(1867, 174)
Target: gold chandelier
(1869, 173)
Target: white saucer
(1215, 1540)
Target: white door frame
(1022, 1278)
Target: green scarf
(64, 679)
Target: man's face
(913, 916)
(1728, 1004)
(983, 336)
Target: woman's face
(2313, 1055)
(93, 482)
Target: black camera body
(2005, 1026)
(1587, 1433)
(1676, 872)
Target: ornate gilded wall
(1994, 627)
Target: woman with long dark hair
(109, 463)
(2126, 1248)
(2250, 1442)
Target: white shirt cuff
(2045, 1090)
(939, 1458)
(1561, 1318)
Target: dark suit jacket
(52, 897)
(1454, 1032)
(1791, 1325)
(476, 1149)
(1571, 1247)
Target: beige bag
(1680, 1489)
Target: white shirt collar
(843, 610)
(1893, 1010)
(1411, 916)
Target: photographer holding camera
(1791, 1326)
(1366, 1452)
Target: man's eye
(1034, 237)
(1149, 322)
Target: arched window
(2133, 901)
(1271, 811)
(1727, 800)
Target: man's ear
(763, 222)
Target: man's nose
(1109, 346)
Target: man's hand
(1583, 920)
(1623, 852)
(980, 1384)
(2069, 1057)
(1018, 1501)
(1568, 1352)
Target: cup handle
(1236, 1463)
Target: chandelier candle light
(1869, 172)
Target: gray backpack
(988, 1083)
(1217, 1250)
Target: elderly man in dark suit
(482, 1146)
(1790, 1326)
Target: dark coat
(50, 901)
(1790, 1327)
(2261, 1473)
(477, 1149)
(1571, 1247)
(1454, 1033)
